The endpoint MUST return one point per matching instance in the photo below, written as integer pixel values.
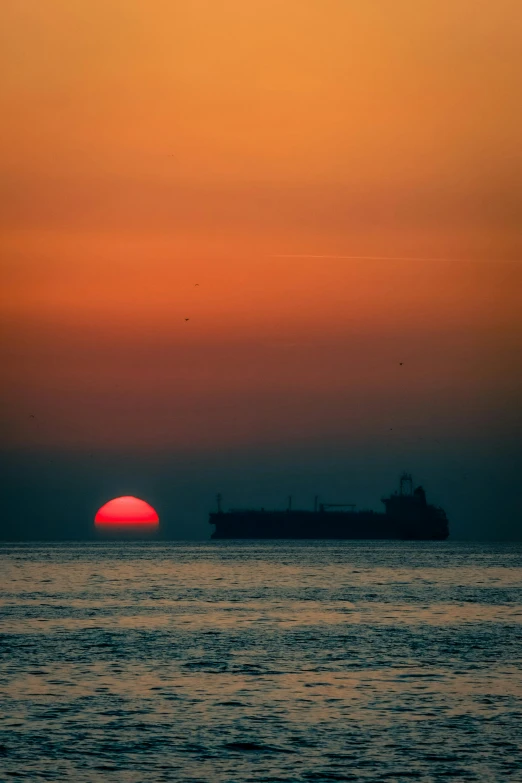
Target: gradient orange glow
(126, 511)
(323, 189)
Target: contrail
(365, 258)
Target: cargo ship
(407, 516)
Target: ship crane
(323, 506)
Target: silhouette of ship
(407, 516)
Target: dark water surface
(254, 661)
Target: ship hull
(358, 525)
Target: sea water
(274, 661)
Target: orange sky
(256, 148)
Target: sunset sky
(325, 190)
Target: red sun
(127, 512)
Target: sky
(330, 192)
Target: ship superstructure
(407, 516)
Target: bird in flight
(400, 364)
(187, 319)
(31, 416)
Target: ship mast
(406, 484)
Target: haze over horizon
(259, 248)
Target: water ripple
(260, 662)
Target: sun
(127, 514)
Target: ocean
(246, 661)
